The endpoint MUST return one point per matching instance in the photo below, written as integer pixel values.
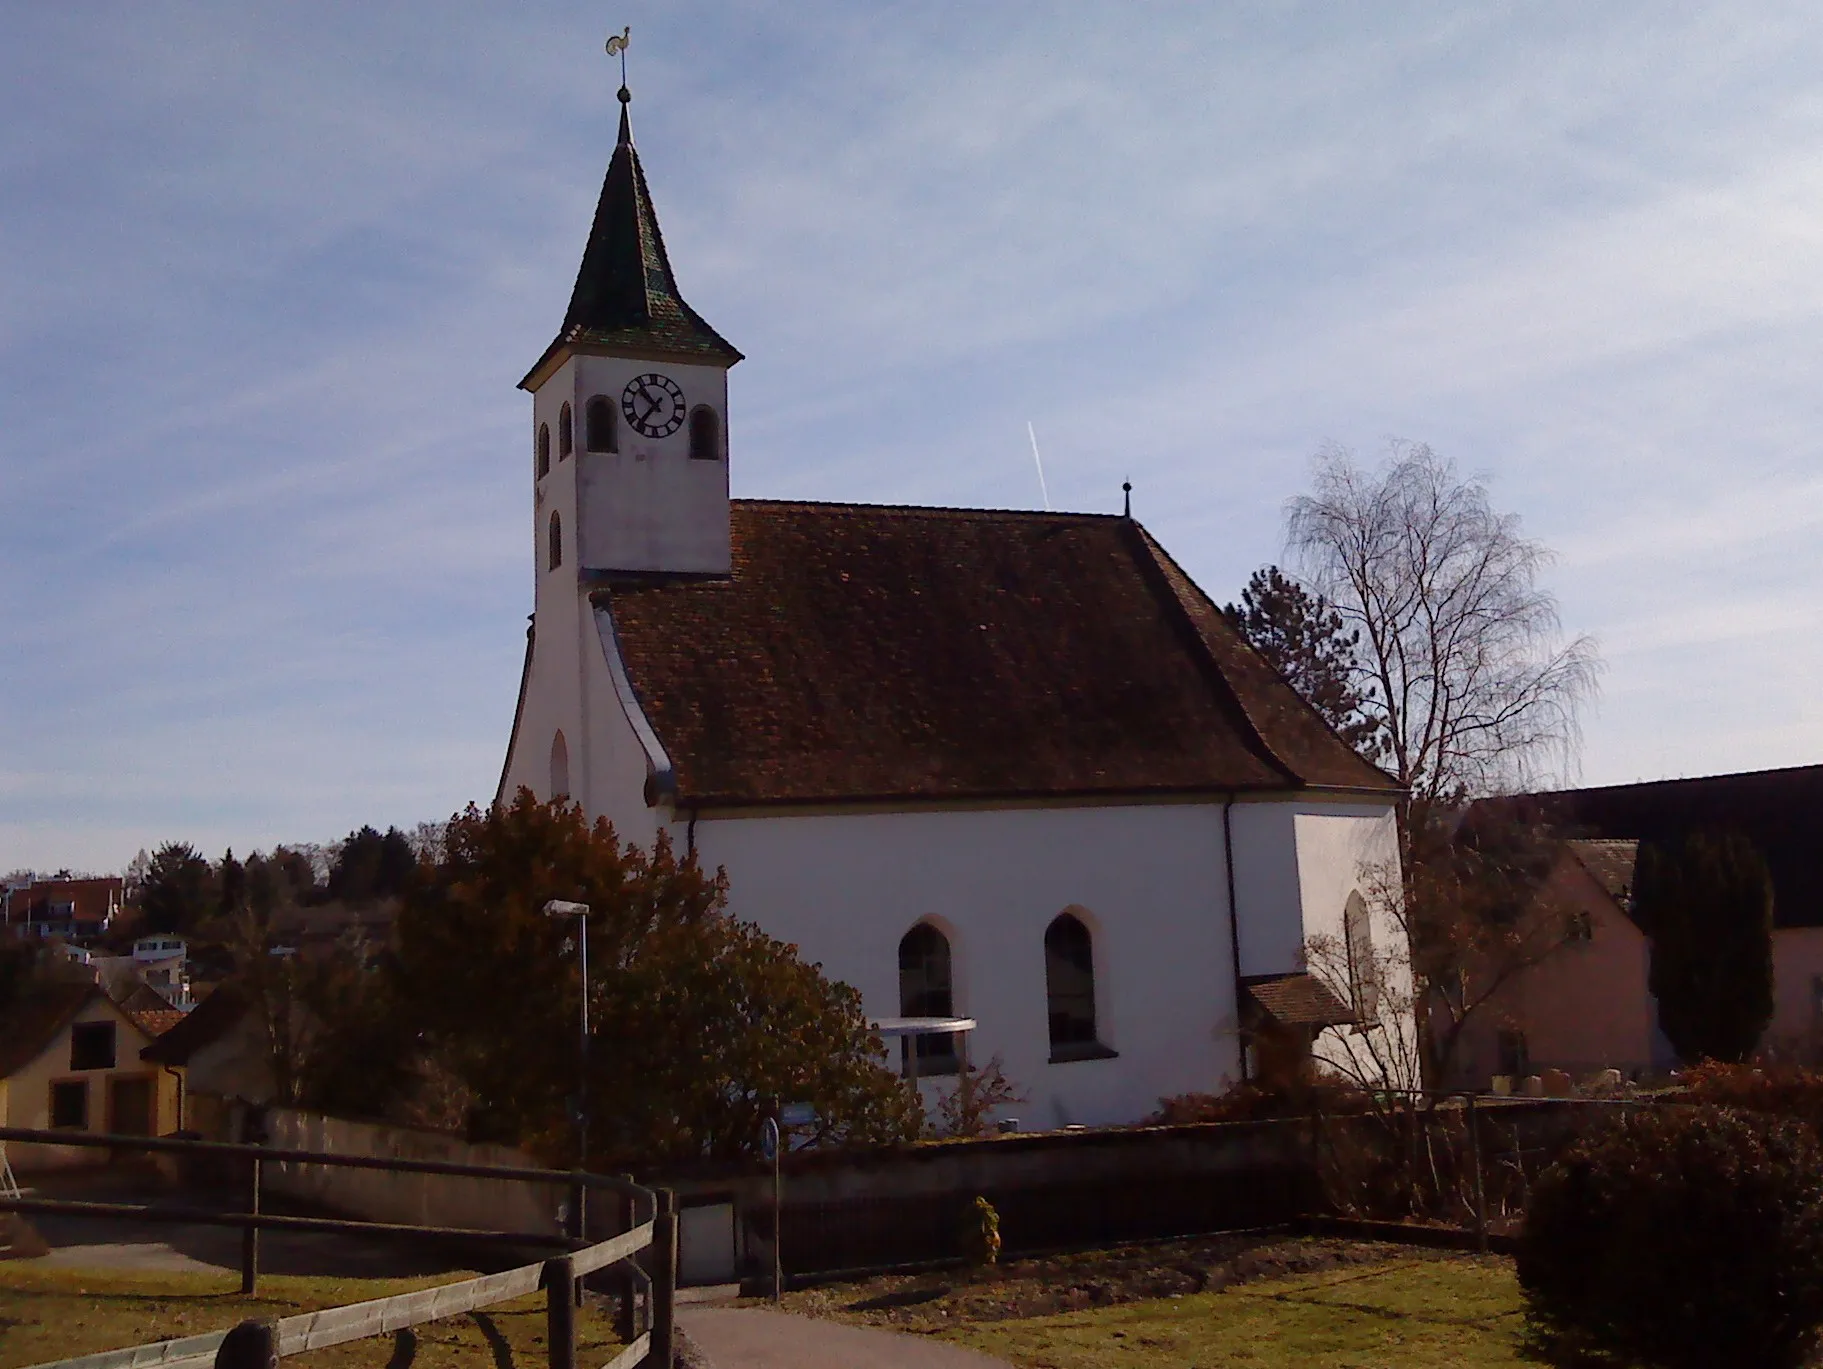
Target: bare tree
(1462, 652)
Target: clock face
(653, 405)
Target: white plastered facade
(1148, 878)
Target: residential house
(78, 910)
(1584, 1006)
(70, 1060)
(1010, 766)
(220, 1052)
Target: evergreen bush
(1679, 1237)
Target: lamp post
(559, 908)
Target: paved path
(758, 1338)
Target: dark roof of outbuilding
(1299, 1000)
(626, 297)
(869, 652)
(207, 1022)
(1780, 811)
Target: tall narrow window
(565, 434)
(556, 542)
(544, 450)
(925, 991)
(560, 767)
(598, 426)
(1363, 972)
(705, 435)
(1069, 985)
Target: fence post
(664, 1281)
(250, 1238)
(560, 1311)
(1481, 1197)
(250, 1345)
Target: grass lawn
(50, 1314)
(1403, 1314)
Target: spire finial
(1126, 498)
(617, 46)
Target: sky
(269, 275)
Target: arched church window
(1363, 972)
(544, 450)
(560, 767)
(598, 426)
(556, 559)
(565, 435)
(1069, 988)
(705, 434)
(925, 991)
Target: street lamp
(559, 908)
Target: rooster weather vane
(617, 46)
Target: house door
(130, 1107)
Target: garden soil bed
(1040, 1286)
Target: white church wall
(1266, 887)
(846, 887)
(650, 505)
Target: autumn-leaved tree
(1706, 903)
(1303, 637)
(697, 1019)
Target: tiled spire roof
(626, 295)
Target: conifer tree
(1706, 902)
(1302, 636)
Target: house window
(705, 435)
(565, 437)
(1363, 969)
(925, 991)
(70, 1104)
(544, 450)
(560, 767)
(1069, 984)
(556, 542)
(599, 426)
(92, 1046)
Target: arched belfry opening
(599, 426)
(560, 767)
(556, 542)
(544, 450)
(705, 434)
(566, 436)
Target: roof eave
(562, 349)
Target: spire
(625, 293)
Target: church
(1013, 767)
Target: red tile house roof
(870, 653)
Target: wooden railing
(256, 1344)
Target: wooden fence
(254, 1344)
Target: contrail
(1039, 461)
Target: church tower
(629, 483)
(630, 406)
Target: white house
(1008, 765)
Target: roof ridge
(927, 510)
(1815, 768)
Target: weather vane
(617, 45)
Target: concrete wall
(415, 1199)
(28, 1092)
(868, 1209)
(1796, 1030)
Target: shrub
(981, 1233)
(1680, 1236)
(1319, 1097)
(1783, 1090)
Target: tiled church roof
(626, 297)
(865, 652)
